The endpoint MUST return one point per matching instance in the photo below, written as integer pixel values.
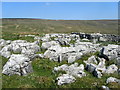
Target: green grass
(41, 26)
(29, 39)
(43, 77)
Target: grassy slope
(61, 26)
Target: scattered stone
(5, 52)
(105, 88)
(74, 69)
(46, 38)
(65, 79)
(111, 51)
(97, 73)
(46, 45)
(17, 64)
(112, 79)
(111, 69)
(71, 59)
(91, 67)
(94, 68)
(91, 59)
(60, 47)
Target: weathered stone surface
(46, 45)
(91, 67)
(71, 59)
(74, 69)
(58, 53)
(102, 39)
(91, 59)
(101, 63)
(19, 41)
(46, 38)
(97, 73)
(111, 69)
(84, 39)
(63, 67)
(111, 51)
(112, 79)
(62, 47)
(19, 46)
(105, 88)
(17, 64)
(65, 79)
(4, 43)
(5, 52)
(30, 48)
(87, 47)
(94, 67)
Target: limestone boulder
(91, 67)
(111, 69)
(71, 59)
(46, 45)
(5, 52)
(46, 38)
(65, 79)
(74, 69)
(97, 73)
(105, 88)
(92, 59)
(112, 79)
(17, 64)
(111, 51)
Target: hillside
(33, 26)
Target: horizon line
(57, 19)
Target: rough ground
(43, 76)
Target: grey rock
(92, 59)
(97, 73)
(112, 79)
(65, 79)
(91, 67)
(74, 69)
(111, 51)
(71, 59)
(111, 69)
(17, 64)
(5, 52)
(46, 45)
(105, 87)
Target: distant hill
(33, 26)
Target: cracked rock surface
(18, 64)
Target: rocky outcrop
(97, 66)
(112, 79)
(46, 45)
(65, 79)
(19, 46)
(60, 47)
(17, 64)
(111, 69)
(72, 71)
(105, 88)
(111, 51)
